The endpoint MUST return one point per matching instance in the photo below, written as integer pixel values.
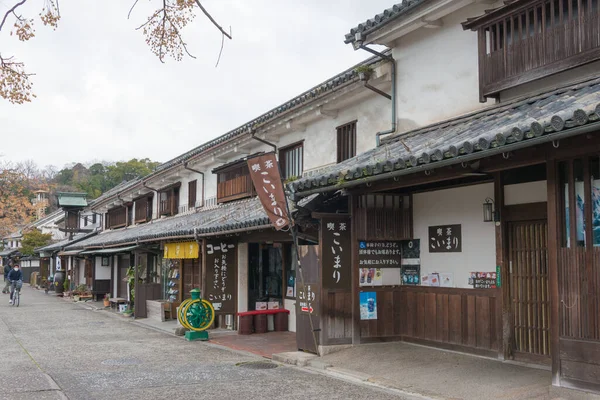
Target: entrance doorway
(528, 283)
(122, 275)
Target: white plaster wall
(438, 71)
(290, 304)
(523, 193)
(463, 206)
(242, 294)
(101, 272)
(81, 274)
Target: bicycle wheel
(16, 298)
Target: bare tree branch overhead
(162, 31)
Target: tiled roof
(111, 192)
(243, 214)
(66, 199)
(59, 245)
(348, 76)
(6, 253)
(382, 19)
(536, 119)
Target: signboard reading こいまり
(445, 239)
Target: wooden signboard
(336, 254)
(221, 275)
(445, 239)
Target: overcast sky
(102, 95)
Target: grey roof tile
(382, 19)
(243, 214)
(479, 132)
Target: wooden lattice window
(192, 193)
(169, 200)
(143, 209)
(528, 40)
(234, 182)
(346, 141)
(291, 161)
(117, 217)
(383, 217)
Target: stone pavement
(53, 349)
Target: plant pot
(76, 297)
(106, 303)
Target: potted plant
(107, 300)
(364, 72)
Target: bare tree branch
(10, 12)
(131, 9)
(212, 19)
(220, 51)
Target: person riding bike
(14, 276)
(7, 269)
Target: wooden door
(528, 281)
(191, 277)
(88, 273)
(122, 277)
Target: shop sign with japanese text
(264, 172)
(445, 239)
(379, 254)
(308, 299)
(336, 252)
(221, 270)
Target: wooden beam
(553, 232)
(503, 305)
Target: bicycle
(16, 299)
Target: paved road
(52, 349)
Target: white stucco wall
(462, 205)
(438, 71)
(523, 193)
(101, 272)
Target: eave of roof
(498, 129)
(382, 19)
(235, 216)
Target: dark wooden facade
(528, 40)
(547, 309)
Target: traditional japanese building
(493, 206)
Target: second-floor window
(529, 40)
(169, 200)
(116, 218)
(192, 192)
(233, 182)
(143, 209)
(346, 141)
(291, 161)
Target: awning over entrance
(69, 253)
(110, 251)
(506, 127)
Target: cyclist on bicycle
(13, 277)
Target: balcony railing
(539, 39)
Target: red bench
(256, 321)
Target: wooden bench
(256, 321)
(86, 297)
(115, 301)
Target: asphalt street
(53, 349)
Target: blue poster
(368, 305)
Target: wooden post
(503, 306)
(355, 272)
(553, 231)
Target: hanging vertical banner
(336, 254)
(264, 172)
(221, 276)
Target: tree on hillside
(16, 209)
(33, 240)
(162, 31)
(132, 169)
